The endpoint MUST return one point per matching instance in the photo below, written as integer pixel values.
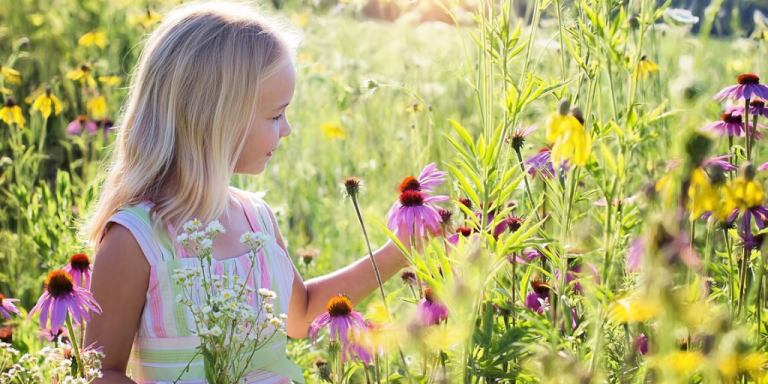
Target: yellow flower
(11, 113)
(685, 362)
(703, 197)
(570, 140)
(633, 310)
(743, 194)
(93, 37)
(645, 67)
(11, 75)
(46, 102)
(109, 80)
(98, 107)
(333, 131)
(146, 19)
(82, 73)
(300, 19)
(415, 107)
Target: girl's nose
(285, 130)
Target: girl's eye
(278, 117)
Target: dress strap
(257, 226)
(136, 220)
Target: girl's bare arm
(119, 285)
(357, 280)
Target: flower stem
(746, 129)
(730, 269)
(75, 347)
(370, 253)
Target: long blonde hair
(193, 93)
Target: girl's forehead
(277, 90)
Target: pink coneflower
(576, 271)
(51, 335)
(756, 107)
(342, 319)
(749, 87)
(732, 124)
(80, 123)
(430, 310)
(635, 254)
(540, 164)
(362, 348)
(460, 232)
(466, 202)
(62, 296)
(641, 344)
(80, 269)
(538, 299)
(413, 209)
(7, 307)
(720, 162)
(445, 216)
(429, 178)
(518, 137)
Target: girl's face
(270, 125)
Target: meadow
(662, 243)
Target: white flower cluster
(56, 366)
(222, 306)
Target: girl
(208, 100)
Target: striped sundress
(164, 342)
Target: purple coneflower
(635, 254)
(466, 203)
(342, 319)
(576, 271)
(538, 299)
(720, 162)
(80, 269)
(518, 137)
(756, 107)
(641, 344)
(430, 311)
(414, 210)
(7, 307)
(61, 296)
(51, 335)
(80, 123)
(429, 178)
(732, 124)
(749, 87)
(532, 254)
(541, 164)
(460, 232)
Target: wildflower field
(594, 171)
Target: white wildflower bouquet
(58, 365)
(231, 330)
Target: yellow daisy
(633, 310)
(11, 75)
(645, 67)
(570, 140)
(109, 80)
(98, 107)
(11, 113)
(82, 73)
(333, 131)
(93, 37)
(46, 103)
(146, 19)
(703, 196)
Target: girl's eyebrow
(281, 107)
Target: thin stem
(731, 286)
(370, 253)
(746, 129)
(75, 347)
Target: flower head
(719, 162)
(62, 296)
(93, 38)
(341, 317)
(538, 299)
(460, 232)
(541, 164)
(82, 74)
(429, 178)
(7, 307)
(571, 140)
(76, 126)
(468, 203)
(333, 131)
(80, 269)
(413, 209)
(645, 67)
(308, 255)
(351, 187)
(518, 137)
(732, 124)
(11, 113)
(430, 310)
(748, 87)
(46, 103)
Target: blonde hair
(193, 93)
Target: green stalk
(731, 286)
(370, 253)
(75, 347)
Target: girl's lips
(270, 153)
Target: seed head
(757, 103)
(10, 102)
(351, 187)
(334, 347)
(411, 198)
(464, 231)
(430, 295)
(408, 277)
(564, 107)
(339, 306)
(748, 171)
(445, 216)
(59, 282)
(80, 262)
(748, 78)
(410, 183)
(466, 202)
